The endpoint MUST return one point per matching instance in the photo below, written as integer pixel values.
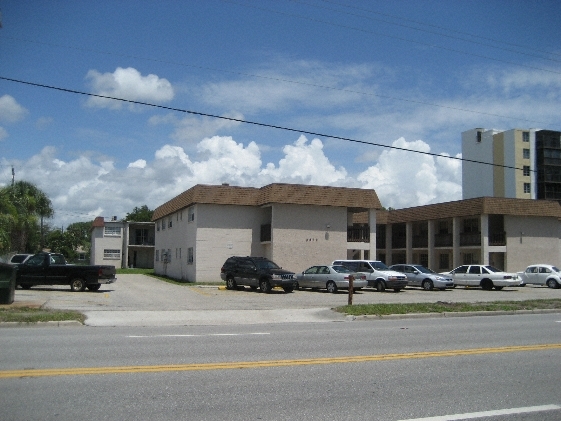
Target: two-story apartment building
(122, 243)
(293, 225)
(504, 232)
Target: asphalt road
(389, 370)
(138, 300)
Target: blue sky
(411, 74)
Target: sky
(369, 94)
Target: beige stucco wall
(531, 240)
(100, 242)
(307, 235)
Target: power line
(255, 123)
(395, 37)
(295, 82)
(442, 28)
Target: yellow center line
(273, 363)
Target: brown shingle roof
(477, 206)
(273, 193)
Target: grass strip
(34, 315)
(448, 307)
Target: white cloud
(192, 128)
(404, 179)
(10, 110)
(86, 187)
(3, 133)
(139, 163)
(127, 84)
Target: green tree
(31, 207)
(76, 236)
(8, 216)
(142, 214)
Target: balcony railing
(470, 239)
(358, 234)
(497, 239)
(443, 240)
(420, 241)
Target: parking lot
(144, 293)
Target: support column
(409, 242)
(456, 255)
(484, 228)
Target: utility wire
(401, 18)
(394, 37)
(255, 123)
(295, 82)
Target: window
(471, 225)
(527, 188)
(158, 226)
(163, 224)
(525, 136)
(444, 261)
(112, 231)
(157, 255)
(470, 259)
(191, 214)
(526, 153)
(526, 169)
(169, 222)
(169, 255)
(111, 254)
(190, 255)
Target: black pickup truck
(52, 269)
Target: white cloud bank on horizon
(127, 84)
(84, 188)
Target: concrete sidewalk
(211, 317)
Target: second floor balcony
(358, 234)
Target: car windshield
(379, 266)
(553, 268)
(492, 269)
(341, 269)
(423, 269)
(266, 264)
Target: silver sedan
(331, 278)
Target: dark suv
(256, 272)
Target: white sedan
(541, 275)
(331, 278)
(484, 276)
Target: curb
(452, 314)
(64, 323)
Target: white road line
(194, 336)
(482, 414)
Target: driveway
(140, 300)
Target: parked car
(19, 258)
(256, 272)
(541, 274)
(420, 276)
(52, 269)
(377, 274)
(331, 278)
(484, 276)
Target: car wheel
(487, 284)
(94, 287)
(288, 289)
(331, 287)
(77, 285)
(230, 283)
(380, 286)
(25, 286)
(551, 283)
(427, 285)
(265, 286)
(498, 288)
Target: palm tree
(30, 203)
(8, 216)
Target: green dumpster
(7, 283)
